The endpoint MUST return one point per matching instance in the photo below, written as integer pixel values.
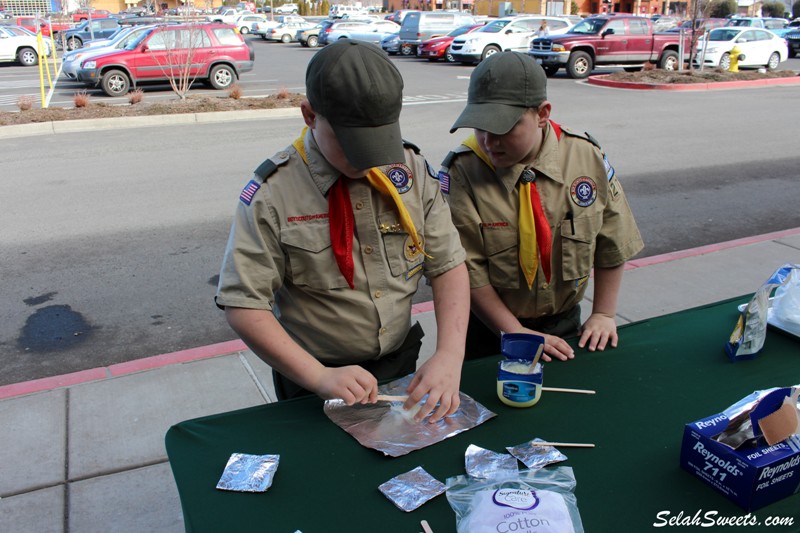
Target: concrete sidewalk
(85, 452)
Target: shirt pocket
(578, 244)
(502, 254)
(394, 239)
(311, 259)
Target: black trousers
(399, 363)
(481, 341)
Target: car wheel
(286, 38)
(669, 61)
(244, 30)
(725, 61)
(551, 70)
(222, 77)
(264, 37)
(73, 43)
(312, 41)
(406, 50)
(774, 61)
(448, 55)
(115, 83)
(28, 57)
(489, 51)
(580, 65)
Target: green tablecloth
(667, 371)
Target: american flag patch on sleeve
(444, 181)
(249, 191)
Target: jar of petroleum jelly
(517, 384)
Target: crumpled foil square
(384, 426)
(486, 464)
(534, 456)
(248, 473)
(410, 490)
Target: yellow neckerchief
(380, 182)
(528, 256)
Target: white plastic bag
(786, 303)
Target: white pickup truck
(227, 15)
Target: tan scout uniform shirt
(279, 256)
(591, 222)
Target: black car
(793, 40)
(88, 30)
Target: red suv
(214, 53)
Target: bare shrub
(283, 94)
(235, 91)
(81, 99)
(135, 96)
(25, 102)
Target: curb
(602, 81)
(91, 124)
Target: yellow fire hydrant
(736, 55)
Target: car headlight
(90, 64)
(558, 48)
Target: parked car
(793, 41)
(18, 44)
(398, 15)
(391, 44)
(88, 30)
(420, 26)
(227, 16)
(265, 28)
(219, 55)
(245, 23)
(761, 48)
(701, 25)
(665, 23)
(309, 37)
(79, 15)
(371, 32)
(287, 9)
(775, 25)
(439, 47)
(34, 24)
(507, 33)
(342, 11)
(338, 26)
(71, 61)
(287, 32)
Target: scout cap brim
(371, 146)
(494, 118)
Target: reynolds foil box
(753, 475)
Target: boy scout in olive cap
(537, 207)
(330, 239)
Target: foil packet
(533, 456)
(248, 473)
(410, 490)
(386, 427)
(750, 332)
(486, 464)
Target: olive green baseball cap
(359, 91)
(501, 88)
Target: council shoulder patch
(400, 176)
(583, 191)
(249, 191)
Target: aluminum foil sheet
(385, 427)
(486, 464)
(249, 473)
(410, 490)
(534, 456)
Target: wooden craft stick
(563, 444)
(425, 527)
(388, 398)
(576, 391)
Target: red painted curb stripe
(603, 82)
(224, 348)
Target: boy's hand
(598, 330)
(554, 347)
(351, 383)
(439, 378)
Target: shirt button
(368, 249)
(382, 331)
(359, 205)
(378, 294)
(545, 286)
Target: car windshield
(723, 34)
(495, 27)
(588, 26)
(459, 31)
(740, 22)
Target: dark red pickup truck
(608, 40)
